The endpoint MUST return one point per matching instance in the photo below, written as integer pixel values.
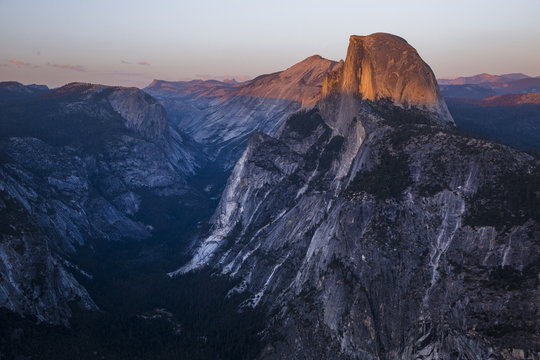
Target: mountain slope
(510, 100)
(83, 163)
(369, 228)
(527, 85)
(222, 115)
(10, 90)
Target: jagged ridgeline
(370, 228)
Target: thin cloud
(20, 64)
(144, 63)
(72, 67)
(125, 62)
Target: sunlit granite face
(384, 66)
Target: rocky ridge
(370, 228)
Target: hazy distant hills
(518, 86)
(14, 90)
(509, 100)
(504, 108)
(483, 79)
(484, 85)
(470, 91)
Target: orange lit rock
(385, 66)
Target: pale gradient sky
(131, 42)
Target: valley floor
(144, 314)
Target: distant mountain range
(15, 90)
(504, 108)
(483, 79)
(508, 100)
(484, 85)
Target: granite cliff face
(78, 164)
(384, 66)
(142, 113)
(222, 115)
(370, 228)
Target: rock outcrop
(370, 228)
(384, 66)
(142, 113)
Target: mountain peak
(379, 36)
(300, 82)
(385, 66)
(312, 61)
(312, 58)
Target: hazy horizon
(126, 43)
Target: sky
(130, 43)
